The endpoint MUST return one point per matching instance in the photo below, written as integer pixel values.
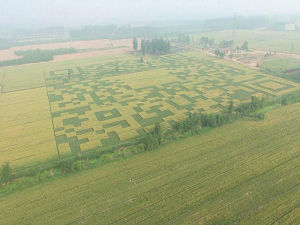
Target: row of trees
(206, 42)
(244, 46)
(6, 173)
(203, 41)
(184, 39)
(194, 122)
(230, 44)
(226, 44)
(219, 53)
(41, 52)
(135, 44)
(153, 47)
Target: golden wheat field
(244, 172)
(25, 127)
(93, 103)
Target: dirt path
(287, 55)
(251, 65)
(254, 53)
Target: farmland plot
(246, 172)
(26, 133)
(106, 103)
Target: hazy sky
(78, 12)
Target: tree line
(188, 39)
(195, 122)
(224, 45)
(206, 42)
(219, 53)
(230, 44)
(184, 39)
(157, 46)
(244, 46)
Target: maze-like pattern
(103, 104)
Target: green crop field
(243, 173)
(288, 68)
(102, 101)
(265, 40)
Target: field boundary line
(51, 117)
(25, 89)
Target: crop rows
(25, 127)
(250, 177)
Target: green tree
(158, 133)
(284, 100)
(230, 107)
(135, 44)
(211, 42)
(6, 173)
(245, 46)
(188, 39)
(168, 47)
(256, 103)
(222, 54)
(155, 46)
(143, 47)
(219, 54)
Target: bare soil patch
(8, 54)
(80, 55)
(93, 44)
